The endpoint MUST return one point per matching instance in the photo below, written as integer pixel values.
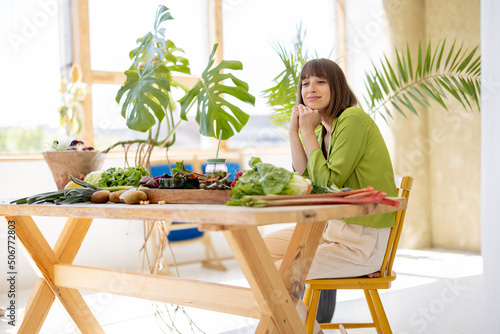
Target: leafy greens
(128, 176)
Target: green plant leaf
(211, 112)
(439, 74)
(145, 93)
(402, 67)
(283, 95)
(396, 106)
(440, 57)
(417, 99)
(408, 57)
(427, 61)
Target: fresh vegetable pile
(267, 179)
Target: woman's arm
(299, 158)
(309, 120)
(305, 119)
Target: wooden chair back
(404, 188)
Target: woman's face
(316, 93)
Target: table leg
(65, 251)
(37, 307)
(296, 264)
(276, 301)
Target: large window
(31, 51)
(30, 75)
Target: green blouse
(357, 158)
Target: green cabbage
(297, 185)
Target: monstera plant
(148, 104)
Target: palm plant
(436, 75)
(282, 96)
(432, 75)
(148, 104)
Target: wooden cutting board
(188, 196)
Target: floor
(437, 292)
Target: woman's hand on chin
(309, 118)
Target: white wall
(490, 160)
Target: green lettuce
(128, 176)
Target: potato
(115, 196)
(134, 197)
(101, 196)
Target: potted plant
(148, 103)
(69, 157)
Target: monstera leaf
(152, 44)
(145, 92)
(212, 112)
(147, 87)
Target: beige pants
(346, 250)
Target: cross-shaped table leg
(44, 293)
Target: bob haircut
(341, 95)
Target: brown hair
(341, 95)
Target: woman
(340, 145)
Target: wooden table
(273, 292)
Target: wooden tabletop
(209, 216)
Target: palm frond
(282, 96)
(439, 74)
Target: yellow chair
(370, 286)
